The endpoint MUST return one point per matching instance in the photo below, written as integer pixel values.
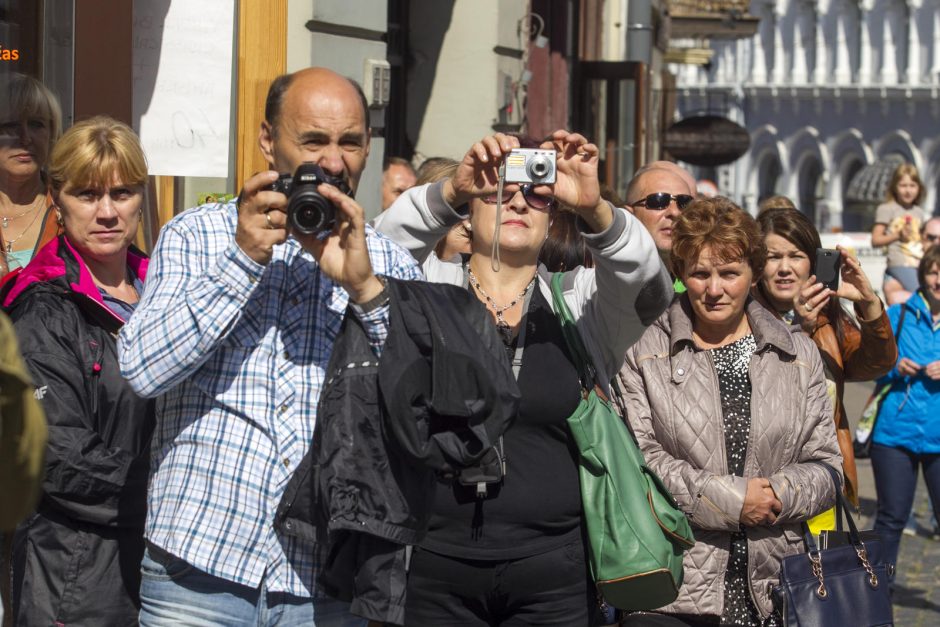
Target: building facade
(832, 93)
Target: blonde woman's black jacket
(87, 533)
(438, 399)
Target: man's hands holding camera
(262, 217)
(576, 184)
(342, 253)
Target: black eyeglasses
(661, 200)
(535, 201)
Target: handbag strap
(884, 391)
(579, 354)
(585, 366)
(842, 510)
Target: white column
(843, 66)
(780, 61)
(758, 58)
(889, 49)
(913, 43)
(800, 53)
(733, 75)
(821, 71)
(935, 61)
(864, 58)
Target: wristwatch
(378, 300)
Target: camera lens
(538, 168)
(308, 212)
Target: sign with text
(182, 90)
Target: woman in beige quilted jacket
(730, 408)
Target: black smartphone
(828, 267)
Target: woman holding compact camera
(514, 553)
(789, 288)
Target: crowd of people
(181, 391)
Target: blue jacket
(910, 413)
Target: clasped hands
(761, 505)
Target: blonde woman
(77, 560)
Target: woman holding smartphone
(789, 288)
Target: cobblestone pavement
(917, 584)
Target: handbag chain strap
(813, 552)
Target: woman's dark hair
(565, 249)
(775, 202)
(793, 226)
(930, 259)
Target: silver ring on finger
(267, 217)
(807, 306)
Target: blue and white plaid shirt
(238, 352)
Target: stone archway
(769, 176)
(811, 195)
(849, 154)
(809, 180)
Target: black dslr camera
(307, 211)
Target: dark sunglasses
(661, 200)
(535, 201)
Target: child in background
(897, 226)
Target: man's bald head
(316, 116)
(318, 77)
(656, 179)
(668, 166)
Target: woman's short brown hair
(930, 259)
(93, 151)
(905, 169)
(720, 225)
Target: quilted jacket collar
(768, 331)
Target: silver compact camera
(530, 165)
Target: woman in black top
(512, 553)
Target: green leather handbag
(636, 532)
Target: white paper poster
(183, 51)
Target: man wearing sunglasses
(656, 195)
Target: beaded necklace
(498, 309)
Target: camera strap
(516, 368)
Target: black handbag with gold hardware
(845, 584)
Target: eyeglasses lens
(535, 201)
(661, 200)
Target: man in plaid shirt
(233, 333)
